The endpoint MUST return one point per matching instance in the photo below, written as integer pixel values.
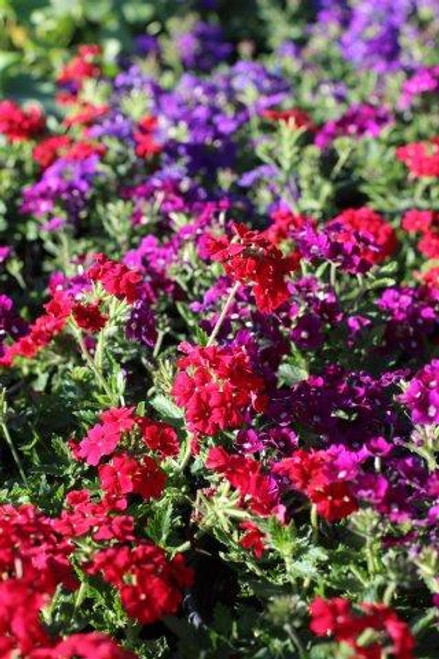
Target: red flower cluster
(47, 151)
(254, 260)
(431, 277)
(125, 475)
(425, 222)
(284, 222)
(42, 331)
(336, 617)
(89, 317)
(87, 646)
(86, 115)
(116, 278)
(82, 516)
(18, 124)
(146, 145)
(253, 539)
(216, 386)
(159, 437)
(32, 549)
(149, 585)
(295, 118)
(257, 490)
(22, 633)
(313, 474)
(367, 221)
(20, 627)
(84, 65)
(417, 221)
(421, 158)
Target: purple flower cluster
(422, 394)
(203, 47)
(358, 121)
(64, 189)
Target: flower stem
(90, 361)
(14, 452)
(314, 521)
(223, 313)
(187, 454)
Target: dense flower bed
(219, 413)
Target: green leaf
(166, 408)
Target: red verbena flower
(150, 586)
(430, 277)
(284, 222)
(294, 117)
(84, 65)
(116, 278)
(125, 475)
(42, 331)
(32, 549)
(82, 516)
(159, 437)
(253, 539)
(146, 144)
(217, 386)
(123, 417)
(18, 124)
(89, 317)
(21, 631)
(93, 645)
(421, 158)
(257, 490)
(336, 617)
(314, 474)
(47, 151)
(417, 221)
(103, 438)
(86, 115)
(429, 244)
(254, 260)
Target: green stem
(80, 595)
(314, 521)
(370, 559)
(186, 455)
(90, 361)
(388, 594)
(296, 640)
(14, 452)
(223, 314)
(185, 546)
(158, 343)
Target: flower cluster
(219, 331)
(336, 617)
(256, 489)
(217, 387)
(316, 474)
(254, 260)
(421, 158)
(149, 585)
(18, 124)
(422, 394)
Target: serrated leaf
(166, 408)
